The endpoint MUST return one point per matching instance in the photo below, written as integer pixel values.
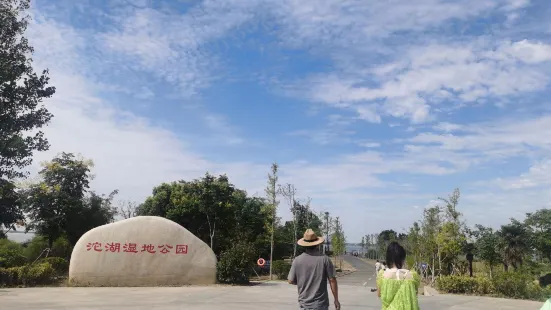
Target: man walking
(310, 272)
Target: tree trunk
(272, 245)
(433, 268)
(439, 261)
(212, 229)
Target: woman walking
(397, 287)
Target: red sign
(115, 247)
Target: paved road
(365, 273)
(271, 295)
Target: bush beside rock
(60, 265)
(236, 264)
(29, 275)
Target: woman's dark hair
(395, 255)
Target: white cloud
(530, 52)
(538, 175)
(420, 65)
(447, 127)
(134, 154)
(369, 144)
(430, 74)
(223, 130)
(171, 46)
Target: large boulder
(141, 251)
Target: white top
(398, 274)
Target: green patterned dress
(399, 291)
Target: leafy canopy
(21, 93)
(60, 203)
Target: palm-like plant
(514, 243)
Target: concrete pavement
(365, 273)
(270, 295)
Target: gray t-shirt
(310, 272)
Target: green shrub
(11, 254)
(535, 292)
(236, 264)
(464, 285)
(36, 274)
(60, 265)
(36, 247)
(29, 275)
(62, 248)
(9, 276)
(281, 268)
(512, 284)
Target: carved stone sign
(141, 251)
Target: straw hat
(310, 239)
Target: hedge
(465, 285)
(236, 264)
(60, 265)
(519, 285)
(281, 268)
(30, 275)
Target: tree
(21, 111)
(95, 210)
(430, 226)
(414, 243)
(327, 227)
(362, 244)
(211, 208)
(539, 224)
(289, 191)
(450, 241)
(450, 208)
(338, 239)
(215, 195)
(65, 181)
(127, 209)
(271, 195)
(487, 246)
(60, 205)
(514, 243)
(209, 198)
(385, 238)
(10, 209)
(306, 219)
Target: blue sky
(372, 108)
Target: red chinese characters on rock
(181, 249)
(96, 246)
(165, 248)
(130, 248)
(115, 247)
(150, 248)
